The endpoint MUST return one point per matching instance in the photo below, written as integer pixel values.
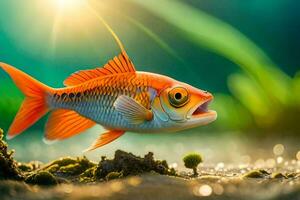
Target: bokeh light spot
(278, 149)
(298, 155)
(205, 190)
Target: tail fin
(34, 105)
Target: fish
(115, 96)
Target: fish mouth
(201, 110)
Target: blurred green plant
(263, 96)
(296, 89)
(155, 38)
(9, 105)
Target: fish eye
(178, 97)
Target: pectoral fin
(105, 139)
(132, 110)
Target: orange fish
(115, 96)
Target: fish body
(115, 96)
(95, 100)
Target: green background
(244, 52)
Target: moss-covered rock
(41, 178)
(52, 169)
(78, 170)
(25, 167)
(83, 171)
(129, 164)
(69, 166)
(8, 166)
(88, 175)
(61, 162)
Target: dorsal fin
(119, 64)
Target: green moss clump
(8, 166)
(113, 175)
(29, 167)
(61, 162)
(72, 169)
(69, 166)
(35, 164)
(25, 167)
(191, 161)
(52, 169)
(88, 175)
(41, 178)
(89, 172)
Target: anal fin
(63, 124)
(105, 138)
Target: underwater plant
(192, 161)
(257, 81)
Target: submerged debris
(8, 166)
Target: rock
(9, 167)
(255, 174)
(103, 168)
(278, 175)
(129, 164)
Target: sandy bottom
(153, 186)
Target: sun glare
(69, 4)
(72, 20)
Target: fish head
(186, 106)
